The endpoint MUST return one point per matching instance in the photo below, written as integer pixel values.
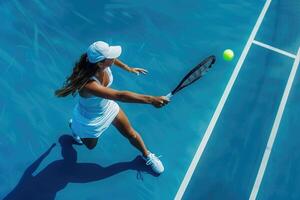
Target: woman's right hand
(160, 101)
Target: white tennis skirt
(87, 125)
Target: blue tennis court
(234, 134)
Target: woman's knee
(90, 146)
(90, 143)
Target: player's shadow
(59, 173)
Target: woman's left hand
(137, 71)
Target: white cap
(100, 50)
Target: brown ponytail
(82, 72)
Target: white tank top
(90, 106)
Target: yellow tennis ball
(228, 55)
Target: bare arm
(120, 64)
(134, 70)
(124, 96)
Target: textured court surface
(40, 41)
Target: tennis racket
(195, 74)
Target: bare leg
(122, 123)
(90, 143)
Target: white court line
(220, 106)
(274, 130)
(274, 49)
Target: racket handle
(168, 96)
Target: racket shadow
(55, 176)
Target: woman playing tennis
(97, 108)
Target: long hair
(82, 72)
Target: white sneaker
(75, 137)
(154, 162)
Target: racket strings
(196, 73)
